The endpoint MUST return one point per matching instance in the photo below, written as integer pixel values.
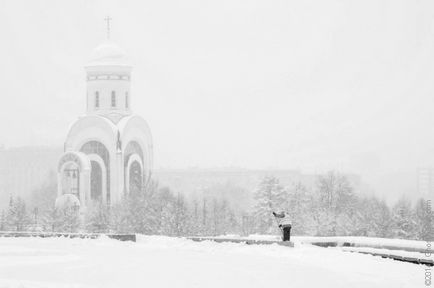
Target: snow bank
(391, 244)
(379, 243)
(401, 253)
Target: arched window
(132, 148)
(113, 99)
(96, 99)
(134, 172)
(127, 104)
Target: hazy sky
(315, 85)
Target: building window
(113, 99)
(127, 104)
(96, 99)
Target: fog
(311, 85)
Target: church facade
(107, 151)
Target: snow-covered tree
(299, 206)
(97, 218)
(196, 221)
(17, 214)
(224, 214)
(181, 217)
(383, 220)
(166, 206)
(366, 218)
(403, 220)
(233, 225)
(336, 193)
(270, 196)
(373, 218)
(3, 221)
(424, 220)
(51, 219)
(120, 217)
(68, 219)
(247, 226)
(215, 217)
(336, 205)
(137, 211)
(205, 215)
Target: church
(108, 150)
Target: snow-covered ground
(172, 262)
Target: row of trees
(330, 209)
(151, 210)
(333, 209)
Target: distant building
(425, 182)
(23, 169)
(109, 149)
(18, 177)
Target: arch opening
(70, 178)
(95, 147)
(95, 181)
(132, 148)
(135, 177)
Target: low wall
(120, 237)
(244, 241)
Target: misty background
(309, 86)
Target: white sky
(315, 85)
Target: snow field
(155, 261)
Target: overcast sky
(315, 85)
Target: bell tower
(108, 75)
(108, 82)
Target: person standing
(285, 224)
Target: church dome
(108, 54)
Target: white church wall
(91, 128)
(136, 129)
(104, 89)
(96, 128)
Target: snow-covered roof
(108, 53)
